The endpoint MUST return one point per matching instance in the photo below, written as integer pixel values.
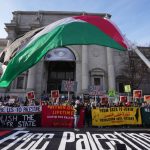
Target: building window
(121, 81)
(97, 77)
(20, 82)
(53, 75)
(121, 88)
(97, 81)
(61, 75)
(69, 76)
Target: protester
(87, 115)
(26, 103)
(76, 114)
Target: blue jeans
(76, 120)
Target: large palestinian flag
(78, 30)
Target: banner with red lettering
(57, 116)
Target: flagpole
(145, 60)
(95, 100)
(69, 90)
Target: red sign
(55, 93)
(123, 99)
(147, 98)
(57, 116)
(137, 93)
(104, 100)
(30, 95)
(60, 116)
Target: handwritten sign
(95, 90)
(70, 86)
(30, 95)
(123, 99)
(147, 98)
(20, 120)
(116, 116)
(104, 100)
(127, 88)
(55, 93)
(137, 93)
(25, 116)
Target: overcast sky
(131, 16)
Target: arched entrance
(61, 66)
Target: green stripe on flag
(75, 33)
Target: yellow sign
(116, 116)
(127, 88)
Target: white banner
(21, 109)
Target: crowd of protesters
(14, 101)
(77, 102)
(45, 99)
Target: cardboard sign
(104, 100)
(69, 86)
(30, 95)
(95, 90)
(112, 93)
(123, 99)
(147, 98)
(55, 93)
(137, 93)
(127, 88)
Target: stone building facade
(88, 65)
(3, 43)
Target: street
(69, 139)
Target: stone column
(85, 72)
(31, 79)
(78, 77)
(41, 77)
(11, 37)
(111, 71)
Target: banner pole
(82, 98)
(95, 100)
(68, 90)
(128, 97)
(68, 95)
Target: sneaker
(76, 129)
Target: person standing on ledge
(76, 114)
